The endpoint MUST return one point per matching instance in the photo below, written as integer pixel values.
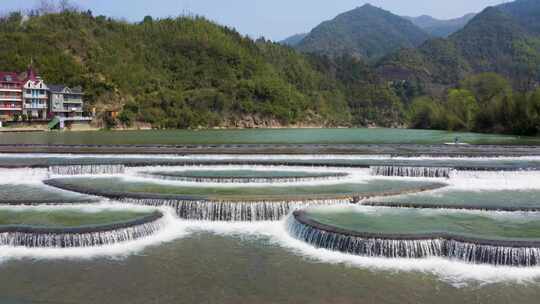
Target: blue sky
(274, 19)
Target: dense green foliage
(188, 72)
(493, 41)
(483, 103)
(173, 73)
(367, 32)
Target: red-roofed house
(10, 95)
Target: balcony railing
(37, 96)
(35, 106)
(10, 87)
(73, 101)
(7, 105)
(67, 110)
(6, 97)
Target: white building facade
(35, 98)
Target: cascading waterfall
(66, 239)
(245, 180)
(86, 169)
(234, 211)
(471, 252)
(402, 171)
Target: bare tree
(46, 7)
(67, 6)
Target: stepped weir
(244, 180)
(249, 211)
(402, 171)
(86, 169)
(493, 252)
(80, 237)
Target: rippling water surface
(260, 262)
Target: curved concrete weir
(61, 232)
(407, 233)
(237, 204)
(86, 169)
(32, 194)
(243, 176)
(402, 171)
(487, 200)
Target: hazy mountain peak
(294, 40)
(440, 28)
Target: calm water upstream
(263, 136)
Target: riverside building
(35, 97)
(65, 101)
(10, 96)
(26, 97)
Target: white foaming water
(258, 168)
(454, 272)
(173, 228)
(487, 180)
(355, 175)
(457, 273)
(24, 176)
(102, 206)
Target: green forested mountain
(188, 72)
(366, 32)
(293, 40)
(483, 78)
(175, 73)
(440, 28)
(525, 12)
(493, 41)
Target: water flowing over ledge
(493, 252)
(86, 169)
(248, 209)
(402, 171)
(234, 211)
(82, 236)
(244, 180)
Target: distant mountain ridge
(293, 40)
(440, 28)
(367, 32)
(503, 39)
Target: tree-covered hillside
(188, 72)
(366, 32)
(174, 73)
(493, 41)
